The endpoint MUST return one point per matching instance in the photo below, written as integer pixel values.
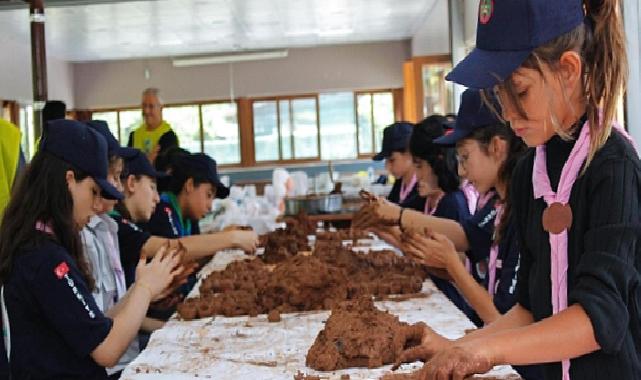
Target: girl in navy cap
(52, 326)
(438, 183)
(488, 152)
(398, 162)
(100, 244)
(576, 197)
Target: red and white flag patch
(61, 270)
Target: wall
(15, 73)
(432, 35)
(342, 67)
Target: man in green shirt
(155, 136)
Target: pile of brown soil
(357, 334)
(303, 282)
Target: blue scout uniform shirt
(167, 220)
(454, 206)
(508, 262)
(131, 239)
(413, 200)
(55, 323)
(479, 230)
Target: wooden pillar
(399, 111)
(246, 126)
(38, 62)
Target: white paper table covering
(252, 348)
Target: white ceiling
(134, 29)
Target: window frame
(397, 113)
(288, 99)
(245, 124)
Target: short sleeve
(131, 239)
(453, 206)
(66, 301)
(394, 194)
(161, 222)
(479, 230)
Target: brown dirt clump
(319, 281)
(357, 334)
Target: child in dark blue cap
(147, 221)
(99, 239)
(487, 152)
(398, 162)
(193, 185)
(51, 324)
(558, 68)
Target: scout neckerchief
(184, 226)
(431, 210)
(471, 195)
(557, 217)
(405, 190)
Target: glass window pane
(437, 91)
(185, 122)
(285, 130)
(112, 121)
(383, 115)
(265, 131)
(220, 124)
(337, 126)
(305, 129)
(129, 121)
(364, 107)
(26, 127)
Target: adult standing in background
(10, 160)
(155, 136)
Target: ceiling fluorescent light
(229, 58)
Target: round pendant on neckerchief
(557, 218)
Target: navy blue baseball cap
(138, 164)
(82, 147)
(204, 166)
(507, 33)
(473, 114)
(395, 137)
(113, 147)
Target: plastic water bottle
(370, 175)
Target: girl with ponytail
(558, 68)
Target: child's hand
(245, 240)
(431, 343)
(458, 361)
(376, 213)
(156, 275)
(431, 249)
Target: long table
(253, 348)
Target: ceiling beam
(24, 4)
